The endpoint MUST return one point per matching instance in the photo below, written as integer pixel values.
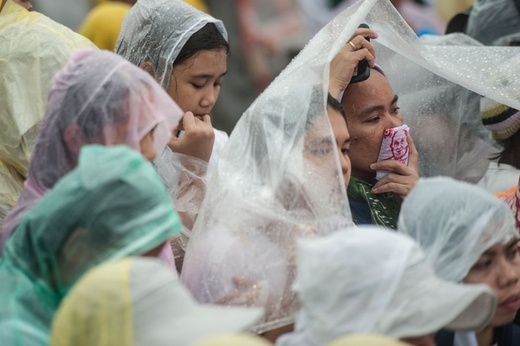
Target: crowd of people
(368, 196)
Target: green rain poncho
(111, 206)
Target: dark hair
(207, 38)
(333, 103)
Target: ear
(148, 67)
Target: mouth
(511, 304)
(200, 116)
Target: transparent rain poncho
(455, 223)
(278, 178)
(373, 280)
(438, 81)
(155, 31)
(138, 301)
(33, 48)
(97, 98)
(111, 206)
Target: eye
(483, 264)
(396, 110)
(197, 86)
(345, 151)
(218, 83)
(373, 120)
(513, 253)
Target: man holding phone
(371, 108)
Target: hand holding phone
(362, 71)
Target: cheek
(182, 93)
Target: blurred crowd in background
(264, 35)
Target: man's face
(371, 108)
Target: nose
(209, 98)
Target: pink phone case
(394, 147)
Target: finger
(365, 33)
(362, 54)
(242, 282)
(401, 190)
(207, 119)
(188, 121)
(392, 166)
(413, 158)
(360, 42)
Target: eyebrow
(378, 107)
(207, 75)
(512, 243)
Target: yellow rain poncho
(140, 302)
(33, 48)
(111, 206)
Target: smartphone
(362, 71)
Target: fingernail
(372, 165)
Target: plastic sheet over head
(156, 31)
(455, 223)
(373, 280)
(278, 178)
(438, 81)
(97, 98)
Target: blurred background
(264, 34)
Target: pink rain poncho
(97, 98)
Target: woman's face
(195, 84)
(499, 268)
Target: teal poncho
(111, 206)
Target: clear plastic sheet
(278, 178)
